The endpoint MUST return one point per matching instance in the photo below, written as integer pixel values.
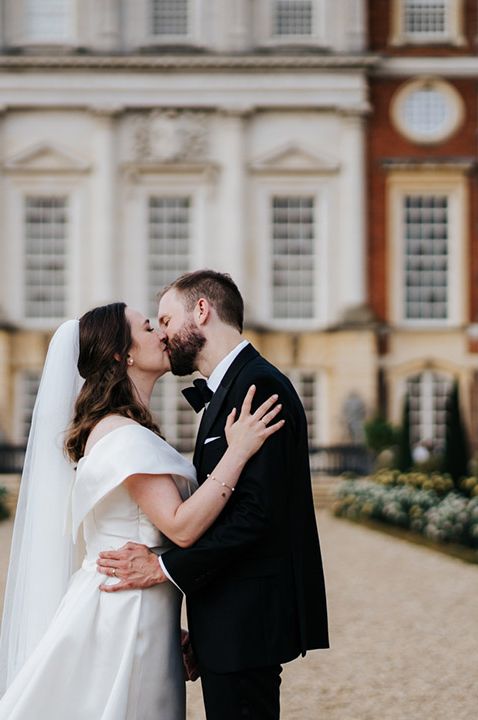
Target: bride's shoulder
(106, 425)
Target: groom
(254, 581)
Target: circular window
(427, 110)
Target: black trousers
(245, 695)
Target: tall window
(49, 20)
(293, 257)
(292, 18)
(169, 223)
(306, 384)
(170, 17)
(176, 418)
(46, 230)
(428, 393)
(30, 382)
(426, 18)
(425, 222)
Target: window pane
(176, 418)
(46, 227)
(48, 20)
(425, 228)
(426, 111)
(306, 385)
(427, 17)
(292, 17)
(293, 257)
(170, 17)
(428, 393)
(169, 225)
(30, 382)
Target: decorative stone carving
(171, 136)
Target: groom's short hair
(219, 289)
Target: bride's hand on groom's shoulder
(247, 433)
(134, 565)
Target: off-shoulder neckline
(112, 432)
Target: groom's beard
(184, 348)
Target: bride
(67, 649)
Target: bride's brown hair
(105, 340)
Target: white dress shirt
(213, 382)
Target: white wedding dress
(110, 656)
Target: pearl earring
(130, 361)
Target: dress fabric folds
(110, 656)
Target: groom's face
(179, 332)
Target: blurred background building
(321, 151)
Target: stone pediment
(45, 158)
(294, 158)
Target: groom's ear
(202, 311)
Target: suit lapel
(210, 415)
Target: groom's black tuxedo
(254, 581)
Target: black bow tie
(198, 395)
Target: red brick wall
(384, 141)
(379, 21)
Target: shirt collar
(214, 379)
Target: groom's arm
(259, 503)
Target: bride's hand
(249, 432)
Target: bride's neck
(143, 387)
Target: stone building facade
(142, 138)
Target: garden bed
(421, 508)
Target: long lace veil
(42, 556)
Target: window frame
(17, 189)
(454, 186)
(137, 18)
(19, 383)
(134, 268)
(453, 35)
(426, 376)
(453, 98)
(295, 375)
(264, 192)
(264, 24)
(169, 413)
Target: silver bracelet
(223, 484)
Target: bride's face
(148, 351)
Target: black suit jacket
(254, 581)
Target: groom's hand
(135, 566)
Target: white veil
(42, 555)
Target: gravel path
(403, 625)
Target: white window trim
(264, 24)
(454, 34)
(263, 306)
(16, 31)
(453, 96)
(134, 270)
(16, 189)
(454, 185)
(137, 24)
